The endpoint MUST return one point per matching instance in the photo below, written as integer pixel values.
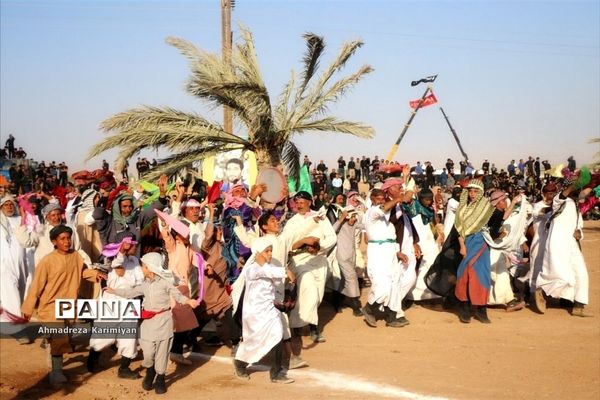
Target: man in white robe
(541, 212)
(382, 264)
(309, 263)
(564, 273)
(407, 239)
(15, 272)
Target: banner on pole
(427, 101)
(424, 80)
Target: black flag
(424, 80)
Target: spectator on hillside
(10, 145)
(365, 163)
(321, 167)
(341, 166)
(571, 164)
(375, 164)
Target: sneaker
(126, 373)
(358, 312)
(297, 362)
(317, 337)
(581, 312)
(179, 359)
(515, 305)
(369, 318)
(281, 378)
(539, 301)
(57, 378)
(240, 372)
(397, 323)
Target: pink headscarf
(232, 201)
(391, 182)
(112, 249)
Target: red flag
(427, 101)
(214, 191)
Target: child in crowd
(262, 328)
(156, 331)
(57, 276)
(126, 273)
(181, 257)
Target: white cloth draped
(564, 273)
(261, 321)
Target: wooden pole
(226, 41)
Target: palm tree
(301, 107)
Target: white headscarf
(260, 244)
(154, 262)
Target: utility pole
(226, 41)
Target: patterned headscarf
(472, 217)
(87, 200)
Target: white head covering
(49, 208)
(260, 244)
(154, 262)
(6, 198)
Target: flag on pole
(427, 101)
(302, 184)
(424, 80)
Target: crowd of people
(196, 254)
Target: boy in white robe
(262, 329)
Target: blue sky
(515, 78)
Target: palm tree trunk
(267, 158)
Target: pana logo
(98, 309)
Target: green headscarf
(116, 210)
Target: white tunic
(310, 270)
(15, 274)
(538, 243)
(451, 208)
(381, 257)
(564, 273)
(430, 251)
(133, 276)
(261, 321)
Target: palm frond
(283, 102)
(185, 47)
(331, 124)
(290, 158)
(315, 47)
(318, 103)
(347, 50)
(151, 127)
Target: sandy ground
(520, 355)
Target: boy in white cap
(156, 332)
(126, 273)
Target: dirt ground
(520, 355)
